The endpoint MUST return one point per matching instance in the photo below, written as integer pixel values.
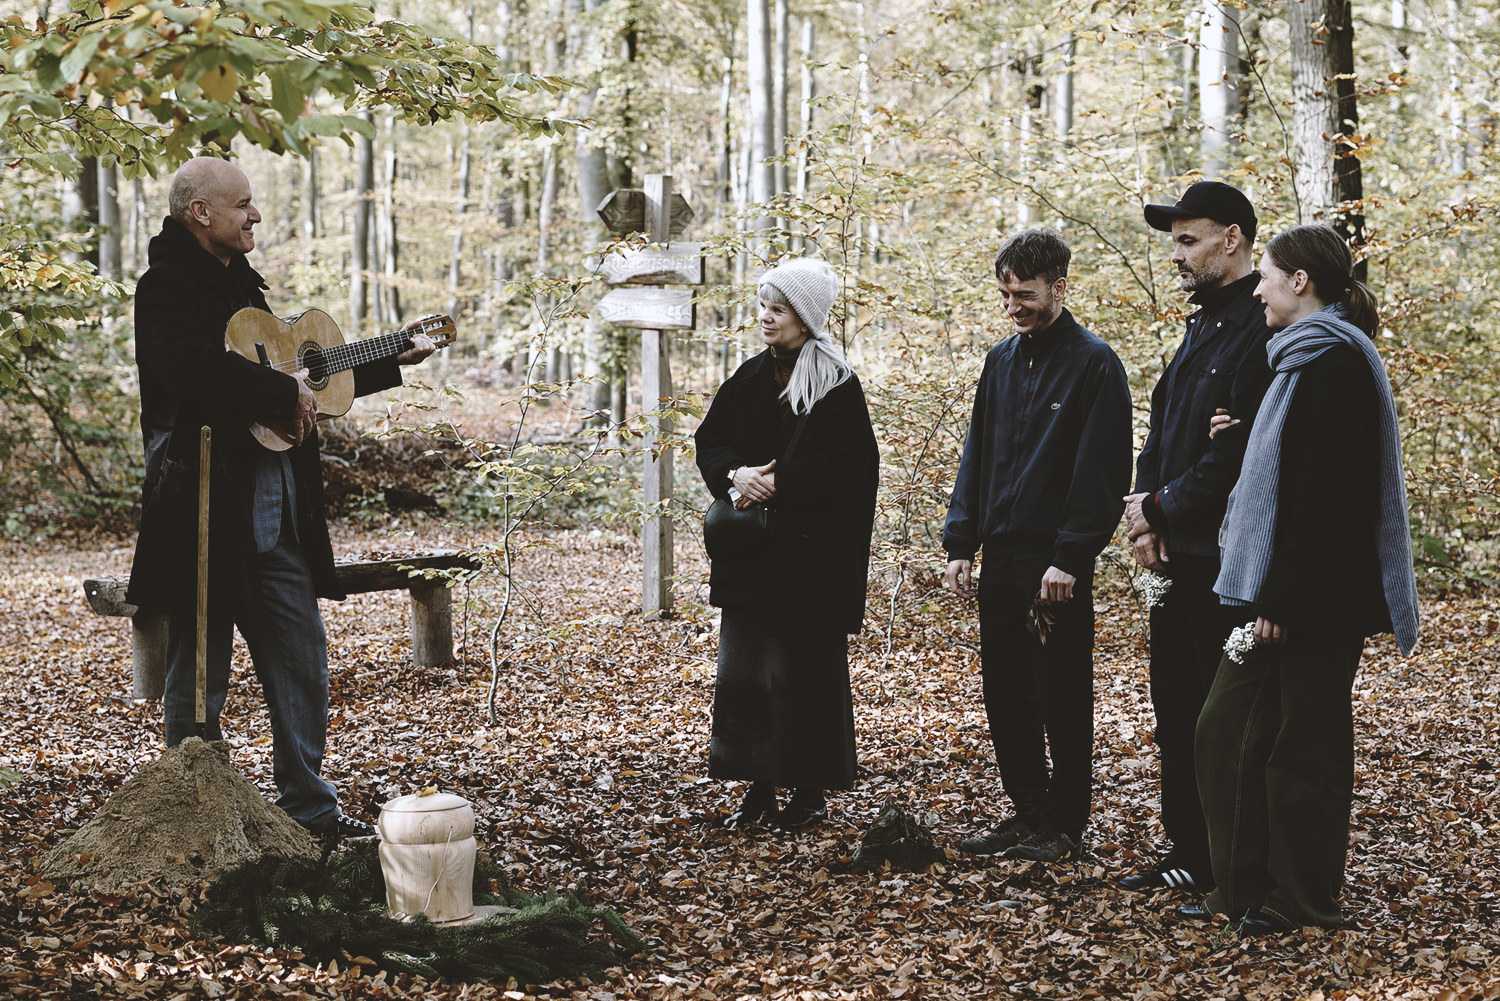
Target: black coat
(825, 495)
(1221, 363)
(182, 306)
(1324, 578)
(1047, 459)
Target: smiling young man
(269, 554)
(1182, 486)
(1039, 490)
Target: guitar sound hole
(310, 357)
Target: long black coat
(825, 495)
(182, 306)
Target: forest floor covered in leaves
(592, 776)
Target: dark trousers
(277, 613)
(1275, 750)
(1188, 630)
(1039, 697)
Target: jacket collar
(1211, 299)
(1044, 341)
(174, 245)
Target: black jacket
(182, 306)
(1047, 459)
(1221, 363)
(1324, 578)
(825, 495)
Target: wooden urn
(427, 856)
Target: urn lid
(440, 818)
(417, 803)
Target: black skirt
(782, 709)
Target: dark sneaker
(996, 840)
(758, 806)
(1165, 875)
(1264, 921)
(1044, 846)
(341, 826)
(803, 811)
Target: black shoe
(996, 840)
(804, 810)
(1044, 846)
(1264, 921)
(341, 826)
(1164, 876)
(1195, 911)
(758, 807)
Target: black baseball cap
(1223, 203)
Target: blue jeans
(277, 612)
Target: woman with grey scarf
(1317, 551)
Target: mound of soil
(180, 822)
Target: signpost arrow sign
(624, 211)
(648, 308)
(676, 264)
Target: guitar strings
(342, 357)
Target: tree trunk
(139, 235)
(109, 222)
(460, 211)
(592, 168)
(80, 205)
(1187, 69)
(782, 23)
(1458, 91)
(1062, 92)
(310, 205)
(1218, 87)
(359, 258)
(1327, 179)
(762, 120)
(1034, 93)
(1245, 77)
(391, 240)
(809, 94)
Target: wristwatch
(736, 469)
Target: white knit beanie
(810, 285)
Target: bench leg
(431, 625)
(148, 647)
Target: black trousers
(1039, 697)
(1188, 630)
(1276, 772)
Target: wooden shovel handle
(205, 450)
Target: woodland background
(441, 156)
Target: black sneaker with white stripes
(1166, 875)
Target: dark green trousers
(1275, 763)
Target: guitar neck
(347, 356)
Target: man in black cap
(1182, 486)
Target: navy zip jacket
(1047, 460)
(1221, 363)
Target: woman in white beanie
(789, 430)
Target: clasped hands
(756, 484)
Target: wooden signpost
(661, 214)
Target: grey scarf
(1249, 528)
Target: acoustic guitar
(311, 340)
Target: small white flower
(1153, 587)
(1240, 642)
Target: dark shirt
(1324, 578)
(1047, 459)
(1221, 363)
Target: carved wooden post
(660, 214)
(656, 387)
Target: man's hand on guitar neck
(421, 347)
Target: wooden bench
(431, 611)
